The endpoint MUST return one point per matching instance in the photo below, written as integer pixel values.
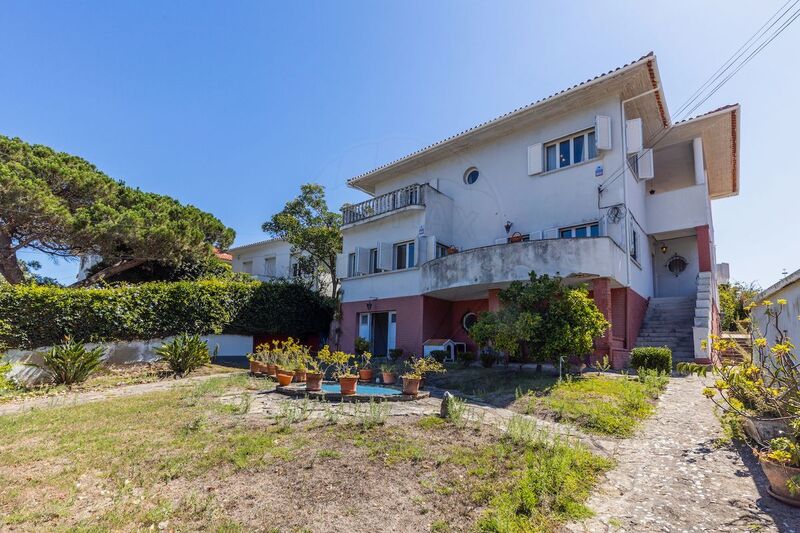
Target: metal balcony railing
(385, 203)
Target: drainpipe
(625, 184)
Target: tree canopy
(541, 320)
(306, 223)
(64, 206)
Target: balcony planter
(348, 385)
(314, 381)
(452, 250)
(778, 476)
(516, 237)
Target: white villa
(594, 184)
(268, 260)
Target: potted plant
(780, 462)
(314, 373)
(365, 372)
(388, 374)
(255, 364)
(516, 237)
(418, 367)
(452, 250)
(343, 370)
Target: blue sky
(230, 106)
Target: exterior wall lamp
(369, 306)
(508, 225)
(663, 248)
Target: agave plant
(70, 362)
(184, 354)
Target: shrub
(488, 359)
(395, 354)
(184, 354)
(70, 362)
(652, 358)
(43, 315)
(465, 358)
(439, 355)
(361, 345)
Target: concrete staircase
(669, 322)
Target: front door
(380, 334)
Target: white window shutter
(634, 140)
(535, 163)
(502, 240)
(550, 233)
(646, 167)
(421, 255)
(602, 132)
(362, 260)
(385, 253)
(536, 236)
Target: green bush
(488, 359)
(70, 362)
(652, 358)
(361, 345)
(465, 358)
(43, 315)
(440, 355)
(184, 354)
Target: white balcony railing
(385, 203)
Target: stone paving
(672, 477)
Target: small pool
(365, 392)
(364, 389)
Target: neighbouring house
(594, 184)
(88, 261)
(273, 259)
(786, 289)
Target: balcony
(412, 196)
(470, 273)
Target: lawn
(605, 404)
(207, 457)
(109, 377)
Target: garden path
(672, 477)
(75, 398)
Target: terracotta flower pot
(778, 475)
(516, 237)
(271, 369)
(285, 378)
(389, 378)
(255, 367)
(411, 386)
(366, 375)
(314, 381)
(299, 377)
(348, 385)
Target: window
(247, 267)
(373, 261)
(677, 264)
(404, 255)
(585, 230)
(441, 250)
(471, 175)
(351, 265)
(570, 151)
(468, 320)
(270, 267)
(296, 270)
(634, 250)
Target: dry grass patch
(185, 460)
(109, 377)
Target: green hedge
(42, 315)
(652, 358)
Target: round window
(471, 175)
(677, 264)
(469, 320)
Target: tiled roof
(501, 117)
(717, 110)
(266, 241)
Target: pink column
(601, 292)
(704, 248)
(494, 300)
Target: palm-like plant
(184, 354)
(70, 362)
